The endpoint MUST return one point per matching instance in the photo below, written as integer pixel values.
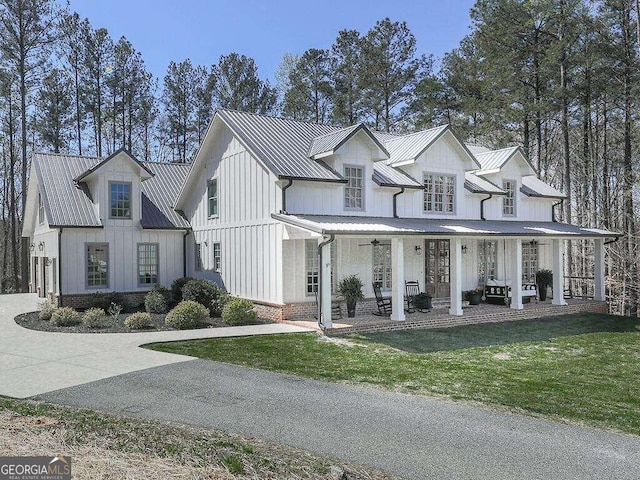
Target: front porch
(440, 317)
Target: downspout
(553, 210)
(60, 268)
(332, 237)
(395, 206)
(284, 195)
(184, 252)
(482, 205)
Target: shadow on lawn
(492, 334)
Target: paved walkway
(411, 436)
(33, 362)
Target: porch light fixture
(32, 247)
(47, 262)
(464, 249)
(41, 246)
(418, 249)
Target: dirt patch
(502, 356)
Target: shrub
(217, 305)
(187, 314)
(155, 302)
(93, 318)
(65, 317)
(46, 310)
(239, 312)
(205, 292)
(176, 289)
(104, 300)
(138, 321)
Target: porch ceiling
(351, 225)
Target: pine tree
(346, 78)
(55, 111)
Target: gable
(120, 161)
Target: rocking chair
(384, 303)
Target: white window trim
(217, 215)
(117, 182)
(144, 285)
(86, 265)
(455, 193)
(373, 266)
(363, 188)
(41, 213)
(216, 268)
(306, 269)
(515, 197)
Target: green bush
(155, 302)
(138, 321)
(176, 289)
(187, 314)
(65, 317)
(239, 311)
(46, 310)
(206, 293)
(94, 318)
(104, 300)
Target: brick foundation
(83, 301)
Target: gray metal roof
(69, 204)
(330, 141)
(381, 226)
(534, 187)
(476, 184)
(388, 176)
(84, 175)
(495, 159)
(409, 147)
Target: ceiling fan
(375, 242)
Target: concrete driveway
(33, 362)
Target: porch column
(325, 288)
(516, 274)
(558, 271)
(598, 270)
(397, 279)
(455, 277)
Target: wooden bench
(494, 292)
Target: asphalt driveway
(414, 437)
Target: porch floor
(439, 317)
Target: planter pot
(542, 292)
(422, 302)
(351, 310)
(475, 299)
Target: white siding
(250, 240)
(123, 257)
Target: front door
(437, 259)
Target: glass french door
(437, 262)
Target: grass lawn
(583, 368)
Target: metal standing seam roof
(534, 187)
(408, 147)
(388, 176)
(476, 184)
(330, 141)
(69, 204)
(494, 159)
(336, 224)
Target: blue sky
(165, 30)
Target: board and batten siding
(250, 240)
(123, 257)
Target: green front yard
(583, 368)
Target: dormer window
(353, 190)
(509, 200)
(120, 200)
(439, 193)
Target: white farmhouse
(277, 209)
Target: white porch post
(397, 279)
(325, 289)
(516, 274)
(455, 277)
(598, 271)
(558, 272)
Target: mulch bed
(111, 325)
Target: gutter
(60, 268)
(482, 205)
(553, 210)
(332, 237)
(284, 195)
(184, 252)
(395, 205)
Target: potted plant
(473, 296)
(350, 289)
(422, 301)
(544, 278)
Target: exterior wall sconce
(464, 249)
(418, 249)
(32, 247)
(47, 262)
(41, 246)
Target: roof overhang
(389, 226)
